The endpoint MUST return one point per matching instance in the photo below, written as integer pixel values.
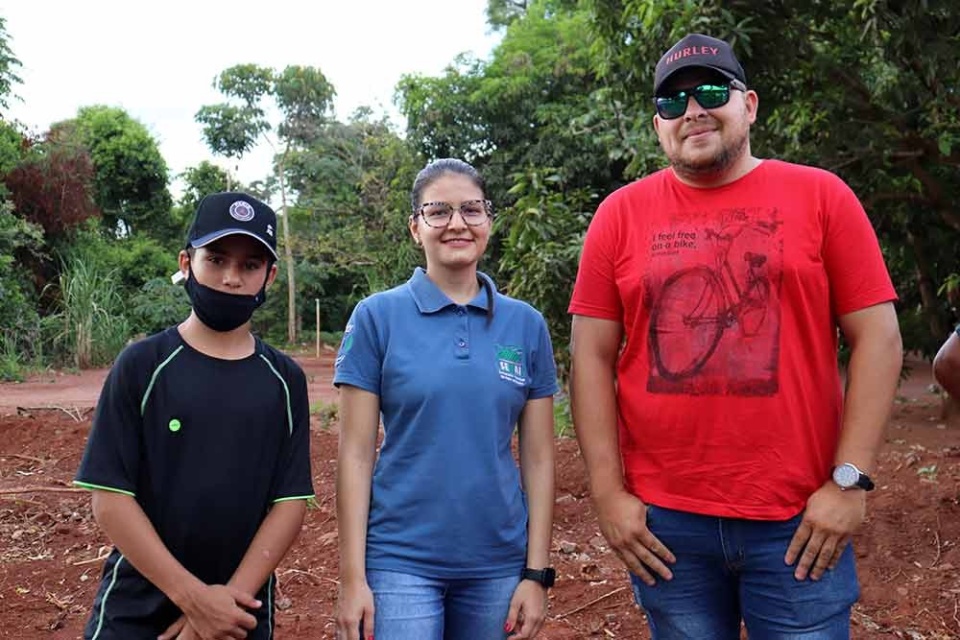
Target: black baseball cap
(698, 50)
(232, 213)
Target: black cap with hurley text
(698, 50)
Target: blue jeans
(412, 607)
(729, 570)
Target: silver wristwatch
(848, 476)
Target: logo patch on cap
(242, 211)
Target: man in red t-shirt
(727, 469)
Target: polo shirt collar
(429, 298)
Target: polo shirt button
(461, 343)
(460, 311)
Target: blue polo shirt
(446, 500)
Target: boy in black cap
(199, 454)
(727, 468)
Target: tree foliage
(8, 66)
(53, 188)
(130, 174)
(304, 99)
(556, 118)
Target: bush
(159, 304)
(89, 329)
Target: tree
(130, 174)
(8, 62)
(53, 188)
(304, 99)
(533, 119)
(198, 181)
(351, 213)
(19, 321)
(502, 13)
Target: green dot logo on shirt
(174, 425)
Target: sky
(157, 60)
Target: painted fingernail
(508, 627)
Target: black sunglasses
(708, 96)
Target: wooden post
(318, 327)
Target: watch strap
(864, 482)
(545, 577)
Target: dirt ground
(51, 550)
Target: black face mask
(222, 311)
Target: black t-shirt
(205, 446)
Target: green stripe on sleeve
(97, 487)
(310, 497)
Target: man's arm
(946, 365)
(213, 611)
(832, 515)
(595, 346)
(876, 357)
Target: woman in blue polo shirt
(441, 535)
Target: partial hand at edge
(220, 611)
(355, 608)
(623, 522)
(830, 519)
(528, 610)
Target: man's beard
(715, 165)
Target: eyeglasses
(439, 214)
(708, 96)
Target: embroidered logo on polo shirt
(510, 364)
(174, 425)
(346, 344)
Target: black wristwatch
(848, 476)
(546, 577)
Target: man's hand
(623, 522)
(355, 607)
(219, 612)
(831, 517)
(528, 610)
(179, 630)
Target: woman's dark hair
(430, 174)
(434, 170)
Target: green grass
(328, 413)
(90, 326)
(562, 419)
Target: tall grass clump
(90, 327)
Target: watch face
(845, 476)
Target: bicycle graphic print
(698, 304)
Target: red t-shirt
(728, 392)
